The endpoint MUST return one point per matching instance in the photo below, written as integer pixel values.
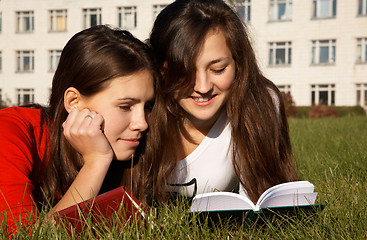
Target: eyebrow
(129, 99)
(134, 99)
(217, 60)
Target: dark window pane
(93, 20)
(280, 56)
(323, 97)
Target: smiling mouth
(203, 99)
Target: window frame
(273, 59)
(54, 58)
(21, 20)
(243, 10)
(362, 8)
(21, 55)
(361, 94)
(329, 89)
(157, 8)
(87, 17)
(274, 9)
(123, 16)
(285, 88)
(316, 52)
(361, 50)
(317, 9)
(54, 15)
(21, 92)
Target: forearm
(85, 186)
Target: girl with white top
(218, 124)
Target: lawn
(331, 153)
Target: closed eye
(125, 107)
(218, 71)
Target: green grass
(331, 153)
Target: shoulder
(20, 123)
(275, 98)
(20, 115)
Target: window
(54, 59)
(127, 17)
(157, 9)
(92, 17)
(362, 7)
(280, 53)
(323, 94)
(324, 8)
(280, 10)
(284, 88)
(362, 50)
(25, 21)
(1, 22)
(25, 61)
(243, 9)
(58, 20)
(362, 94)
(25, 96)
(323, 51)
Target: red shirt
(21, 154)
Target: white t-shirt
(210, 164)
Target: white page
(220, 201)
(290, 200)
(287, 188)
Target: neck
(193, 132)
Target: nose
(138, 120)
(203, 84)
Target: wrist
(97, 161)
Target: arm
(86, 136)
(18, 152)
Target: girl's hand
(84, 131)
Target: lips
(203, 99)
(132, 142)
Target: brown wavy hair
(262, 155)
(88, 62)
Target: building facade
(314, 49)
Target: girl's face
(215, 72)
(124, 106)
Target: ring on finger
(89, 116)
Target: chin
(124, 157)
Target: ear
(71, 99)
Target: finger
(75, 120)
(69, 121)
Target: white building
(314, 49)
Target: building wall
(300, 30)
(41, 40)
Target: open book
(291, 194)
(107, 208)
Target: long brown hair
(260, 138)
(88, 62)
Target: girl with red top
(79, 145)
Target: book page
(296, 187)
(220, 201)
(300, 199)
